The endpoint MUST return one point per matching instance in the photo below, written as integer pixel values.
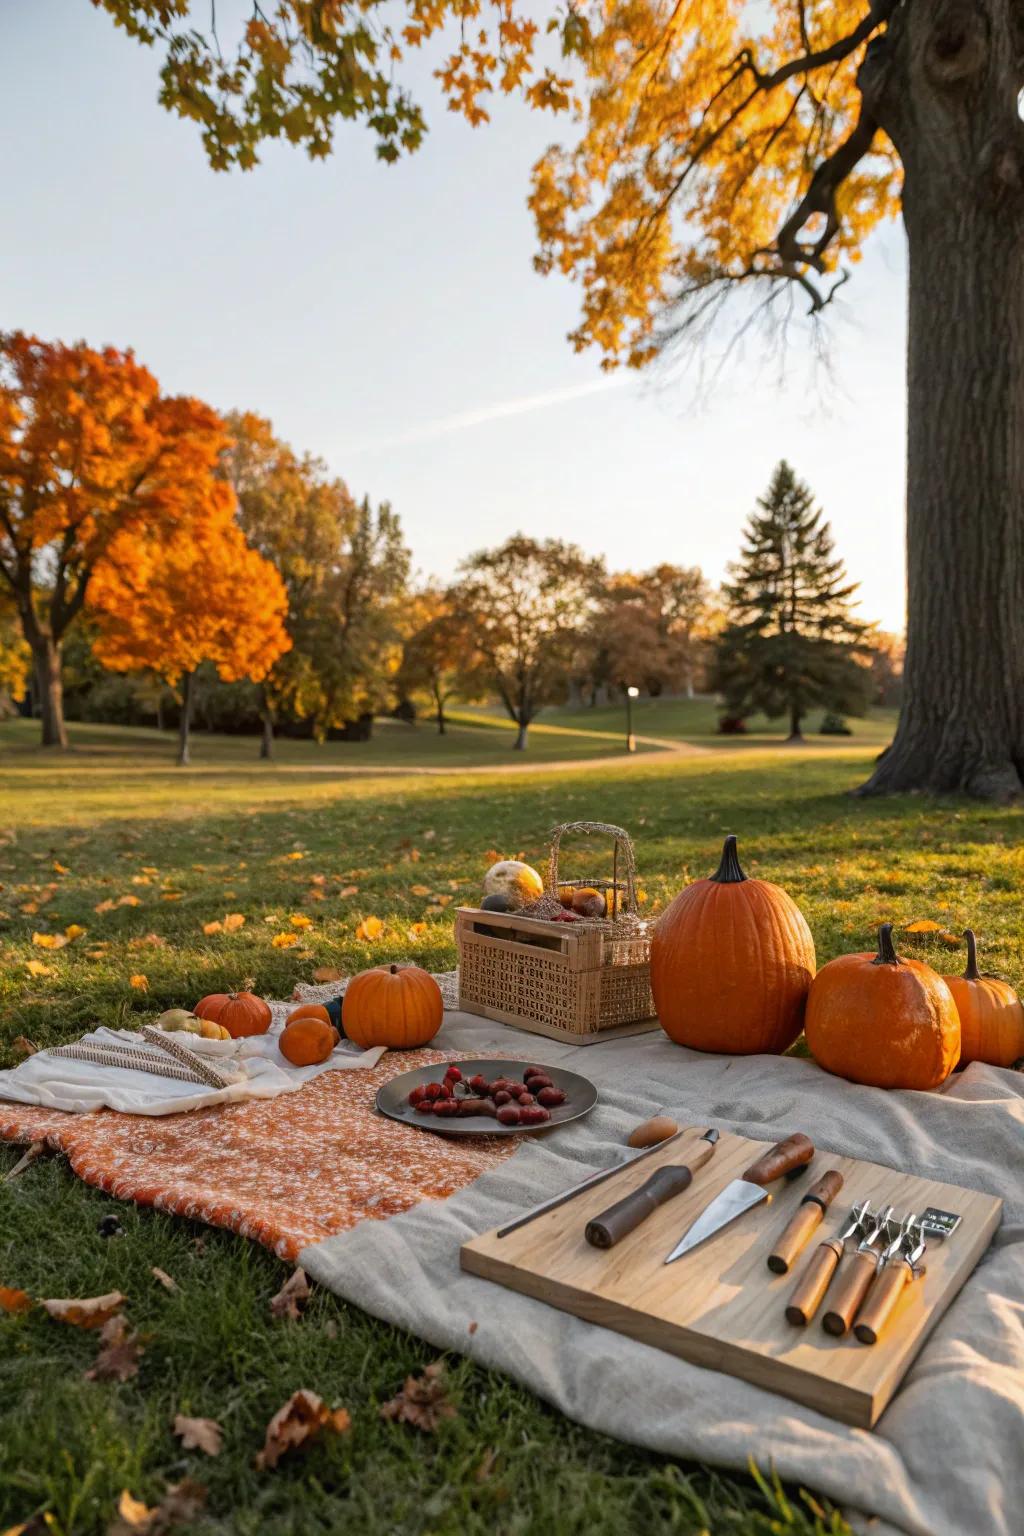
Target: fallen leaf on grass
(349, 890)
(39, 1525)
(49, 940)
(86, 1312)
(300, 920)
(423, 1401)
(303, 1417)
(199, 1434)
(74, 931)
(370, 928)
(26, 1160)
(328, 973)
(289, 1299)
(139, 982)
(923, 925)
(289, 857)
(171, 895)
(24, 1046)
(37, 968)
(104, 906)
(118, 1359)
(180, 1505)
(419, 890)
(128, 901)
(284, 940)
(234, 921)
(164, 1279)
(147, 941)
(486, 1466)
(14, 1301)
(60, 869)
(213, 927)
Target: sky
(389, 320)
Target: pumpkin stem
(729, 871)
(886, 949)
(971, 973)
(393, 969)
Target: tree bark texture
(267, 739)
(185, 721)
(46, 665)
(944, 85)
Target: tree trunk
(267, 739)
(50, 692)
(185, 721)
(795, 717)
(442, 729)
(160, 711)
(520, 744)
(948, 99)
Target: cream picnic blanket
(945, 1459)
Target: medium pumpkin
(307, 1042)
(241, 1013)
(731, 962)
(991, 1015)
(309, 1011)
(397, 1006)
(884, 1021)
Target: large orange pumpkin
(991, 1015)
(731, 962)
(882, 1020)
(397, 1006)
(241, 1013)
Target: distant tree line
(160, 563)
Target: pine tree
(791, 642)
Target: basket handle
(623, 849)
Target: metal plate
(392, 1099)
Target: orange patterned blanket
(287, 1171)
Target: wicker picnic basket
(577, 981)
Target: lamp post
(631, 694)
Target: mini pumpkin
(241, 1013)
(310, 1011)
(731, 963)
(882, 1020)
(991, 1015)
(397, 1006)
(308, 1041)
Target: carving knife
(590, 1182)
(608, 1228)
(794, 1153)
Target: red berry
(502, 1097)
(533, 1116)
(479, 1083)
(445, 1108)
(417, 1094)
(549, 1097)
(433, 1090)
(534, 1072)
(539, 1082)
(425, 1107)
(527, 1098)
(509, 1114)
(454, 1073)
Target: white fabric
(945, 1459)
(64, 1082)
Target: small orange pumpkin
(991, 1015)
(731, 962)
(397, 1006)
(309, 1011)
(241, 1013)
(881, 1020)
(308, 1041)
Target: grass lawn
(163, 852)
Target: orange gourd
(309, 1011)
(884, 1021)
(731, 963)
(241, 1013)
(397, 1006)
(991, 1015)
(307, 1041)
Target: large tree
(791, 642)
(91, 454)
(437, 652)
(650, 629)
(524, 604)
(744, 150)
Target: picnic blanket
(945, 1459)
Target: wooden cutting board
(720, 1306)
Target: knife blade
(745, 1192)
(615, 1223)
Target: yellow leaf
(233, 922)
(171, 896)
(139, 982)
(290, 856)
(30, 909)
(923, 925)
(213, 927)
(200, 869)
(128, 901)
(414, 932)
(284, 940)
(949, 938)
(37, 968)
(49, 940)
(318, 879)
(141, 880)
(300, 920)
(349, 890)
(95, 954)
(104, 906)
(150, 869)
(60, 869)
(443, 901)
(133, 1512)
(420, 890)
(370, 928)
(74, 931)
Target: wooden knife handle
(881, 1299)
(795, 1152)
(612, 1225)
(855, 1276)
(813, 1283)
(805, 1222)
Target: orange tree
(90, 453)
(738, 152)
(166, 603)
